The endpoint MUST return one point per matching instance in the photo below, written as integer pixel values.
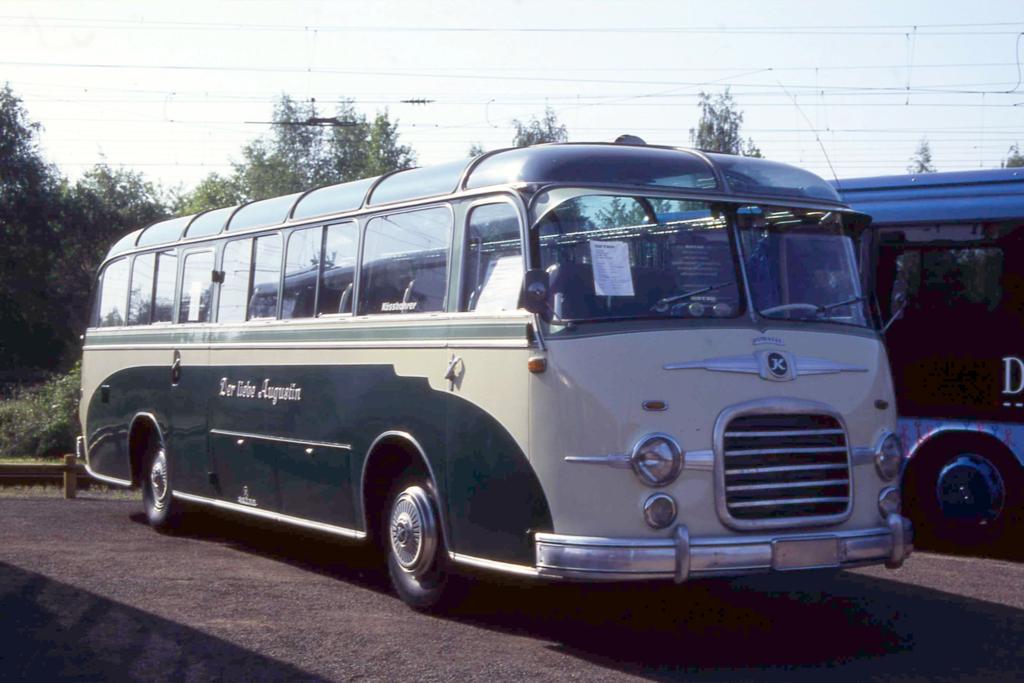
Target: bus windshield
(611, 257)
(800, 265)
(614, 257)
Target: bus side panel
(114, 401)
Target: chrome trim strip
(786, 501)
(787, 468)
(744, 364)
(802, 365)
(786, 485)
(862, 455)
(788, 432)
(281, 439)
(700, 461)
(494, 565)
(468, 344)
(773, 451)
(105, 479)
(772, 406)
(617, 460)
(823, 366)
(273, 516)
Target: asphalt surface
(89, 592)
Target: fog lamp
(889, 502)
(889, 456)
(657, 459)
(659, 510)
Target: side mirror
(534, 295)
(899, 304)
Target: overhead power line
(977, 28)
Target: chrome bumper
(681, 558)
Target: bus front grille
(785, 469)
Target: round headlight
(657, 459)
(889, 502)
(889, 456)
(659, 511)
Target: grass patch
(30, 460)
(94, 492)
(41, 420)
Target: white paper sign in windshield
(501, 287)
(612, 274)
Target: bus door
(487, 410)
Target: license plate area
(805, 554)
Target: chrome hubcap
(158, 479)
(413, 531)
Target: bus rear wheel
(161, 510)
(415, 546)
(965, 494)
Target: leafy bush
(42, 420)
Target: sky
(175, 89)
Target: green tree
(29, 213)
(921, 162)
(536, 131)
(475, 150)
(100, 207)
(55, 234)
(305, 150)
(1014, 159)
(212, 192)
(718, 129)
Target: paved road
(88, 592)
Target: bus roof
(950, 197)
(664, 168)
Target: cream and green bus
(576, 361)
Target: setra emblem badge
(776, 366)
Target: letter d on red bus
(1013, 376)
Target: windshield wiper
(825, 308)
(662, 304)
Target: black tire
(162, 511)
(414, 544)
(933, 528)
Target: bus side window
(234, 291)
(196, 288)
(301, 266)
(140, 293)
(336, 279)
(113, 294)
(492, 271)
(166, 274)
(266, 277)
(405, 262)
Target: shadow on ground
(803, 626)
(51, 631)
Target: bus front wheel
(415, 546)
(966, 494)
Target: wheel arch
(928, 445)
(141, 429)
(377, 468)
